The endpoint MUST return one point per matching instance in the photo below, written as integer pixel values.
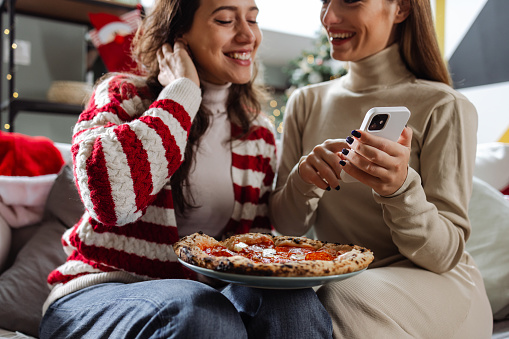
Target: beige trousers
(404, 301)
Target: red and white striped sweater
(127, 231)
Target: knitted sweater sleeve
(126, 146)
(428, 215)
(293, 202)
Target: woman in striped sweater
(158, 157)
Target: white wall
(491, 101)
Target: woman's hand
(175, 63)
(379, 163)
(321, 167)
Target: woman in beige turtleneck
(411, 200)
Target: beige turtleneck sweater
(426, 220)
(210, 178)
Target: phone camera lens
(378, 122)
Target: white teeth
(341, 35)
(240, 56)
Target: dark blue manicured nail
(337, 188)
(345, 151)
(349, 140)
(356, 133)
(342, 163)
(328, 188)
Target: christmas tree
(310, 67)
(314, 66)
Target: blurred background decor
(312, 66)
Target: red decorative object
(505, 191)
(23, 155)
(112, 37)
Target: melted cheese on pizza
(268, 252)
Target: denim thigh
(280, 313)
(152, 309)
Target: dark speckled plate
(269, 282)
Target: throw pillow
(492, 164)
(64, 201)
(489, 218)
(23, 287)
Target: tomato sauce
(266, 252)
(219, 251)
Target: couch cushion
(64, 201)
(23, 287)
(489, 218)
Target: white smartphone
(385, 122)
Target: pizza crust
(190, 250)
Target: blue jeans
(185, 309)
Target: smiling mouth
(340, 36)
(239, 56)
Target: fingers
(379, 163)
(181, 45)
(166, 49)
(358, 165)
(321, 166)
(378, 150)
(311, 176)
(405, 138)
(175, 62)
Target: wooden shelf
(32, 105)
(38, 106)
(75, 11)
(70, 11)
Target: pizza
(263, 254)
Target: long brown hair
(418, 44)
(167, 21)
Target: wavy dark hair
(167, 21)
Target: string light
(14, 46)
(276, 111)
(7, 126)
(6, 31)
(311, 59)
(280, 128)
(9, 77)
(15, 94)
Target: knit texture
(126, 146)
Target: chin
(340, 56)
(240, 80)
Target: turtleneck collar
(214, 96)
(379, 71)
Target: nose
(330, 14)
(245, 33)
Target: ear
(402, 11)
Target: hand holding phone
(385, 122)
